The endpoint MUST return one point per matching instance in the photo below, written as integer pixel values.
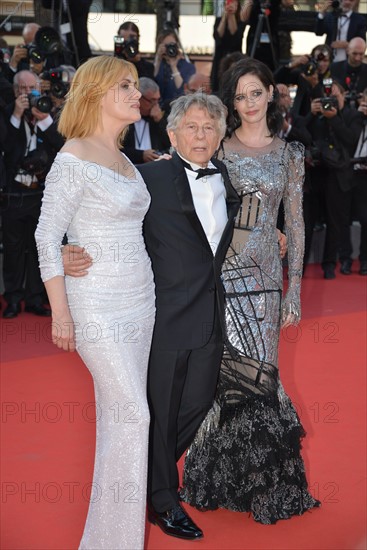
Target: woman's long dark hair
(274, 117)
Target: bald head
(29, 32)
(355, 51)
(198, 81)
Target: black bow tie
(201, 172)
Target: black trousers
(337, 218)
(181, 389)
(22, 278)
(356, 203)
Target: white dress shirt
(142, 135)
(209, 198)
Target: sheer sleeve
(294, 228)
(61, 199)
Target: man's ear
(172, 138)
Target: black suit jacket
(158, 137)
(341, 71)
(357, 27)
(15, 149)
(186, 274)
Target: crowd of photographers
(328, 115)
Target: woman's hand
(63, 334)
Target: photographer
(30, 148)
(340, 25)
(307, 72)
(19, 60)
(352, 72)
(334, 127)
(171, 70)
(228, 35)
(42, 49)
(250, 13)
(129, 49)
(356, 201)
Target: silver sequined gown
(246, 455)
(113, 309)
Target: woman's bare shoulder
(77, 147)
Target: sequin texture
(246, 455)
(113, 309)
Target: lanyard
(140, 140)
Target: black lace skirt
(246, 457)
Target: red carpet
(47, 432)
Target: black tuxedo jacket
(341, 70)
(357, 27)
(186, 274)
(158, 137)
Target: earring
(271, 98)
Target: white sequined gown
(246, 455)
(113, 309)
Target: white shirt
(142, 135)
(209, 198)
(340, 54)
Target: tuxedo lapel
(183, 190)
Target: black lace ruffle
(247, 458)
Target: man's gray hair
(211, 103)
(18, 76)
(146, 84)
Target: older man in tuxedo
(187, 231)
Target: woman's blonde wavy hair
(80, 115)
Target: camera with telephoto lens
(126, 47)
(46, 42)
(172, 49)
(311, 67)
(41, 102)
(60, 78)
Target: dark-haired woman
(246, 455)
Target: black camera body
(172, 49)
(35, 163)
(59, 79)
(352, 97)
(126, 48)
(327, 103)
(47, 42)
(310, 68)
(41, 102)
(335, 6)
(34, 53)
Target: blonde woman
(95, 195)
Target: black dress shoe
(38, 310)
(175, 522)
(11, 311)
(346, 267)
(363, 267)
(329, 272)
